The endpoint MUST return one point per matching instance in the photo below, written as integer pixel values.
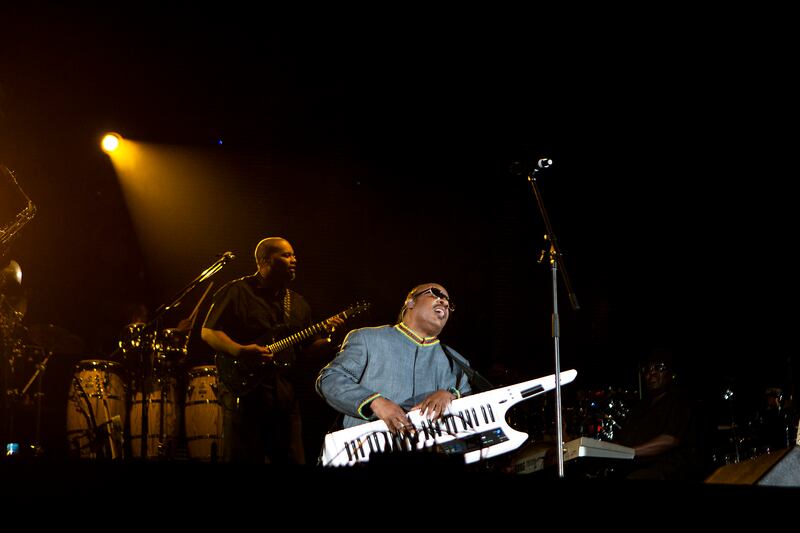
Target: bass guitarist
(248, 318)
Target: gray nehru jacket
(387, 361)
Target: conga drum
(162, 421)
(203, 414)
(96, 409)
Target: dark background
(382, 150)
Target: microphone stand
(204, 275)
(474, 377)
(175, 302)
(553, 255)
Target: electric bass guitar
(241, 374)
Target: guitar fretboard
(291, 340)
(310, 331)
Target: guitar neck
(302, 335)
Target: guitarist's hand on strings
(254, 350)
(220, 341)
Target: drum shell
(96, 412)
(203, 414)
(162, 431)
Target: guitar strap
(287, 307)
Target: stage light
(110, 142)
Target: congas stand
(156, 399)
(137, 347)
(153, 407)
(146, 360)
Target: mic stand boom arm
(204, 275)
(176, 301)
(554, 256)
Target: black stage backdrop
(383, 151)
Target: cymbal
(55, 339)
(10, 277)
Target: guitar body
(242, 374)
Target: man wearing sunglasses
(384, 372)
(661, 427)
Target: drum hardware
(96, 410)
(156, 351)
(87, 411)
(154, 354)
(55, 339)
(12, 310)
(600, 413)
(158, 398)
(45, 342)
(170, 347)
(728, 395)
(40, 368)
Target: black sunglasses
(437, 293)
(655, 367)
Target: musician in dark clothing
(262, 422)
(661, 428)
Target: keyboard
(473, 426)
(586, 447)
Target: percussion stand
(162, 430)
(113, 425)
(162, 379)
(8, 390)
(39, 373)
(88, 412)
(146, 362)
(9, 393)
(552, 252)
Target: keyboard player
(383, 372)
(661, 428)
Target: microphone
(518, 168)
(228, 256)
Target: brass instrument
(10, 231)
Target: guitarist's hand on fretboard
(332, 323)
